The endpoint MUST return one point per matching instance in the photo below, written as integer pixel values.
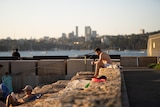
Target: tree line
(123, 42)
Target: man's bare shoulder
(104, 53)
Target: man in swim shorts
(103, 61)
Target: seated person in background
(16, 53)
(13, 101)
(103, 61)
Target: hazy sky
(39, 18)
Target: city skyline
(39, 18)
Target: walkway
(143, 87)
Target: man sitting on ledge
(103, 61)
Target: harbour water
(73, 53)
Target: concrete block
(145, 61)
(129, 61)
(23, 67)
(20, 81)
(17, 83)
(5, 67)
(52, 67)
(46, 79)
(30, 80)
(77, 65)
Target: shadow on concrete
(143, 88)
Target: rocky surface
(80, 91)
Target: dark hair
(16, 49)
(1, 65)
(97, 49)
(6, 73)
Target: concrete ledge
(137, 61)
(20, 67)
(145, 61)
(129, 61)
(20, 81)
(6, 67)
(51, 67)
(77, 65)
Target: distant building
(76, 31)
(153, 46)
(64, 36)
(94, 34)
(71, 35)
(8, 38)
(46, 37)
(106, 40)
(88, 33)
(142, 31)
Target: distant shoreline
(74, 53)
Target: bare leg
(98, 66)
(10, 101)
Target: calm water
(73, 53)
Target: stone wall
(73, 93)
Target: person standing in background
(4, 92)
(7, 81)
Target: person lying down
(13, 101)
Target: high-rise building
(76, 31)
(88, 32)
(94, 34)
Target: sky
(39, 18)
